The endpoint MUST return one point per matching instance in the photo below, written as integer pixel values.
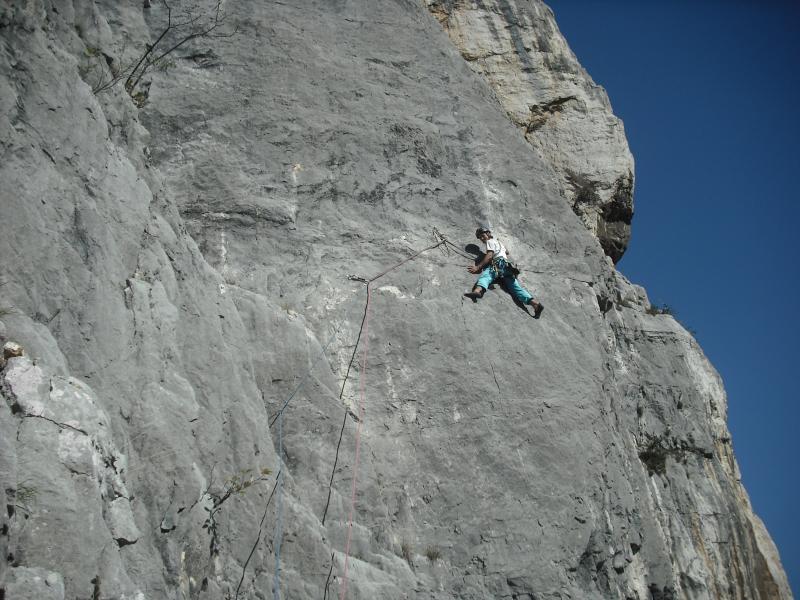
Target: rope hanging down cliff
(362, 399)
(278, 533)
(322, 353)
(441, 242)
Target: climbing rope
(401, 263)
(440, 242)
(344, 420)
(523, 267)
(363, 329)
(445, 245)
(277, 537)
(362, 397)
(258, 538)
(321, 354)
(328, 580)
(278, 533)
(305, 379)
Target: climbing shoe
(473, 295)
(537, 312)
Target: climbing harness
(503, 267)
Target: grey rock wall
(515, 45)
(177, 263)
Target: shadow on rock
(474, 249)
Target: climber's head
(483, 234)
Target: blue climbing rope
(305, 379)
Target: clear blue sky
(710, 95)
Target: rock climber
(494, 266)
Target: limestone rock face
(23, 582)
(517, 48)
(184, 271)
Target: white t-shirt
(496, 247)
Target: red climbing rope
(362, 397)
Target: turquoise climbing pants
(497, 272)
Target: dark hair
(481, 230)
